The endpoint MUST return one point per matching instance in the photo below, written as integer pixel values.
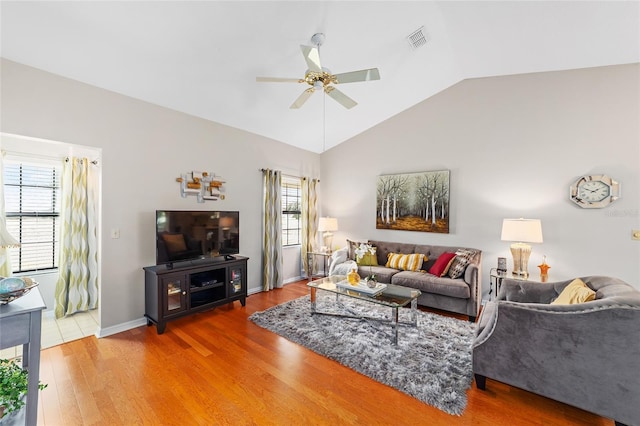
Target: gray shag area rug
(431, 362)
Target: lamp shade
(328, 224)
(522, 230)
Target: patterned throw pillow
(405, 262)
(353, 245)
(460, 262)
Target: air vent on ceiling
(417, 38)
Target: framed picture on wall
(413, 202)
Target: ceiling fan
(320, 78)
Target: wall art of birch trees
(413, 202)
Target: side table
(326, 262)
(21, 324)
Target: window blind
(32, 207)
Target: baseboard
(251, 291)
(292, 280)
(119, 328)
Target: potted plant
(13, 386)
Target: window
(32, 205)
(291, 202)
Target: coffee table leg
(414, 312)
(394, 325)
(313, 300)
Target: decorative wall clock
(594, 191)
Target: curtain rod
(94, 162)
(38, 156)
(284, 174)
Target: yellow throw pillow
(405, 262)
(368, 259)
(576, 292)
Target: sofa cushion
(441, 267)
(428, 283)
(383, 274)
(576, 292)
(405, 262)
(460, 262)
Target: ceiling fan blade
(354, 76)
(302, 98)
(312, 56)
(278, 80)
(342, 99)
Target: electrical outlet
(115, 233)
(635, 234)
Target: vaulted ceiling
(203, 57)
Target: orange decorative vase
(544, 270)
(353, 277)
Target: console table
(21, 323)
(193, 286)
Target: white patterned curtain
(77, 286)
(272, 230)
(6, 239)
(309, 223)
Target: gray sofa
(461, 295)
(586, 355)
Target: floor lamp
(520, 232)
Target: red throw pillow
(441, 266)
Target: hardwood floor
(219, 368)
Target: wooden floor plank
(216, 367)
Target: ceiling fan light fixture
(320, 78)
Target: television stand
(181, 290)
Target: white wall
(144, 148)
(513, 145)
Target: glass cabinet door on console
(174, 289)
(237, 283)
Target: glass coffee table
(393, 296)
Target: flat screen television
(183, 235)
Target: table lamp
(327, 225)
(520, 232)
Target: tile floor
(55, 332)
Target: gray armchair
(586, 355)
